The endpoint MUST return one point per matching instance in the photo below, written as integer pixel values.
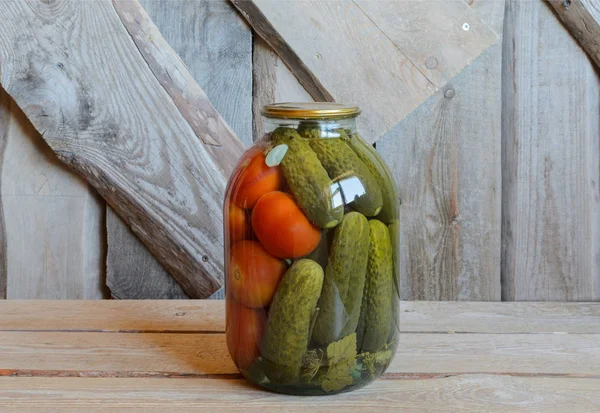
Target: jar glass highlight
(311, 234)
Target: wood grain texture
(500, 317)
(169, 354)
(53, 220)
(445, 158)
(151, 354)
(4, 126)
(132, 272)
(377, 74)
(272, 82)
(127, 366)
(550, 195)
(113, 315)
(218, 56)
(466, 393)
(216, 45)
(432, 35)
(264, 28)
(558, 354)
(209, 316)
(582, 18)
(145, 159)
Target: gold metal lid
(310, 110)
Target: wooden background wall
(497, 173)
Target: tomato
(238, 224)
(254, 273)
(244, 329)
(253, 178)
(282, 228)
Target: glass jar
(311, 235)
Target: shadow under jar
(311, 239)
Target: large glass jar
(311, 234)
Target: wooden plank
(95, 354)
(4, 126)
(208, 315)
(313, 38)
(468, 393)
(113, 315)
(582, 18)
(53, 227)
(176, 354)
(132, 272)
(499, 317)
(85, 101)
(216, 46)
(551, 214)
(445, 158)
(272, 82)
(433, 36)
(498, 353)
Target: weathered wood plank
(132, 272)
(85, 99)
(4, 125)
(338, 52)
(208, 315)
(446, 161)
(440, 39)
(199, 354)
(216, 45)
(582, 18)
(468, 393)
(272, 82)
(498, 353)
(113, 315)
(53, 221)
(499, 317)
(550, 174)
(115, 353)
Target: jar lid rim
(310, 110)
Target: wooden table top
(170, 356)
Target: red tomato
(253, 273)
(238, 224)
(244, 329)
(282, 228)
(253, 178)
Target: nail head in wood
(449, 93)
(431, 63)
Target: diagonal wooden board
(582, 18)
(386, 56)
(115, 103)
(215, 43)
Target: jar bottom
(256, 376)
(306, 390)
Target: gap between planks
(4, 373)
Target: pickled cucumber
(394, 229)
(309, 130)
(376, 309)
(288, 326)
(367, 154)
(317, 195)
(343, 164)
(341, 298)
